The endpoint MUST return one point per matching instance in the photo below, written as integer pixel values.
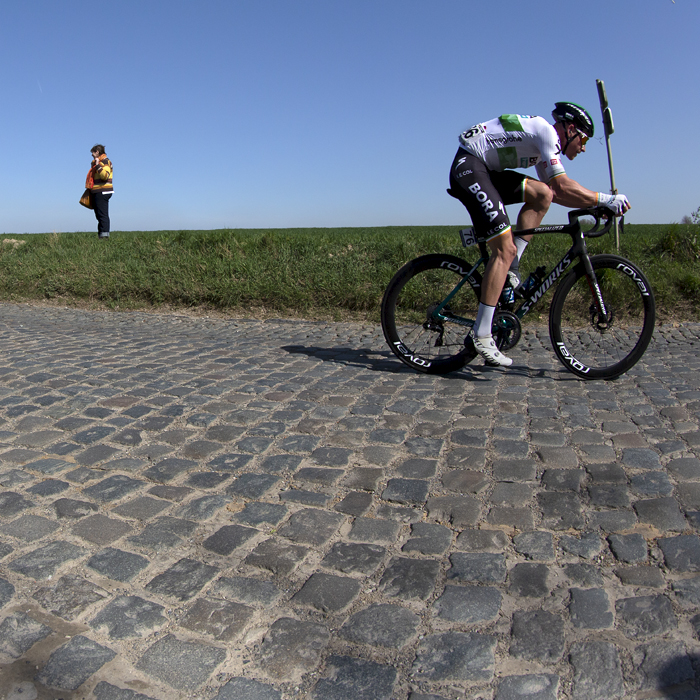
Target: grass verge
(333, 274)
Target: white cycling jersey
(516, 141)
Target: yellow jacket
(102, 175)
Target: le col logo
(460, 163)
(498, 229)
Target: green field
(335, 274)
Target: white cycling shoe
(488, 350)
(513, 279)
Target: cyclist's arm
(569, 193)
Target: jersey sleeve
(550, 152)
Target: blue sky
(296, 113)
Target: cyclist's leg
(474, 185)
(538, 198)
(471, 181)
(503, 251)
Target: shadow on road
(384, 361)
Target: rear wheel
(597, 346)
(415, 336)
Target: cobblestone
(19, 633)
(454, 656)
(681, 553)
(383, 625)
(292, 647)
(468, 604)
(129, 616)
(354, 679)
(182, 665)
(645, 616)
(410, 579)
(73, 663)
(629, 548)
(597, 671)
(537, 635)
(530, 687)
(208, 509)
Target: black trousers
(100, 201)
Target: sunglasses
(584, 138)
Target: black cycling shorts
(485, 193)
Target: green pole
(609, 129)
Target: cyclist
(482, 179)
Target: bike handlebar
(598, 213)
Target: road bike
(601, 318)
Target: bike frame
(578, 251)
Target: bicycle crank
(506, 330)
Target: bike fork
(595, 288)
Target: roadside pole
(609, 129)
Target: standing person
(481, 179)
(99, 182)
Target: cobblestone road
(219, 510)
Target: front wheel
(416, 335)
(594, 345)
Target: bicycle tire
(425, 344)
(585, 345)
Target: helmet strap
(569, 139)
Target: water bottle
(529, 284)
(533, 280)
(508, 296)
